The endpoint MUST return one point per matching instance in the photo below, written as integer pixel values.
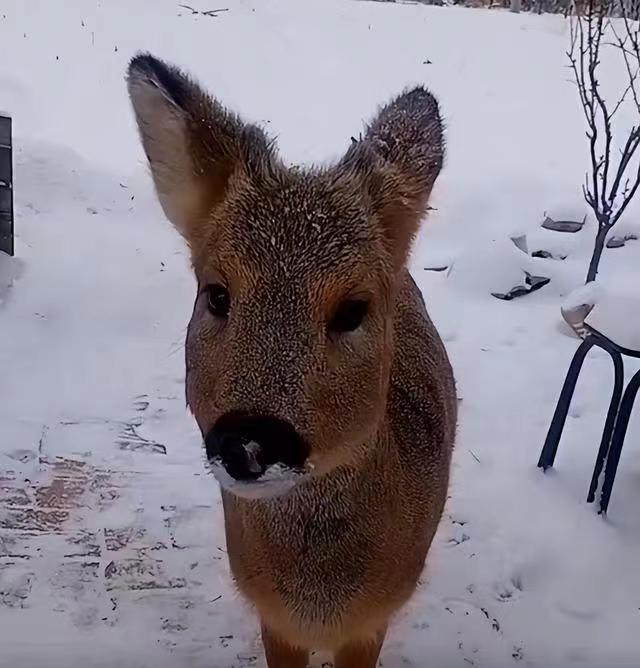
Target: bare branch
(628, 196)
(629, 54)
(602, 188)
(627, 153)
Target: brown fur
(329, 563)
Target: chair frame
(618, 414)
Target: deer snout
(248, 445)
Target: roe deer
(322, 390)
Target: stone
(520, 242)
(571, 226)
(620, 241)
(547, 255)
(531, 284)
(535, 282)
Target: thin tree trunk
(601, 237)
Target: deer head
(289, 347)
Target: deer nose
(247, 445)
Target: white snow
(275, 481)
(128, 569)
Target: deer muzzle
(254, 455)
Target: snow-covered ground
(111, 541)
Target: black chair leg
(550, 448)
(617, 440)
(607, 432)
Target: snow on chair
(622, 398)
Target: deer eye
(218, 300)
(349, 316)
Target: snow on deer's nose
(248, 445)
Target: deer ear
(194, 145)
(400, 157)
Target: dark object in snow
(547, 255)
(213, 13)
(616, 422)
(619, 242)
(518, 291)
(531, 284)
(520, 242)
(6, 186)
(616, 242)
(571, 226)
(443, 267)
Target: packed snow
(112, 550)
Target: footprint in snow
(508, 592)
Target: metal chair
(618, 415)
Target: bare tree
(614, 176)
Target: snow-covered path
(111, 541)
